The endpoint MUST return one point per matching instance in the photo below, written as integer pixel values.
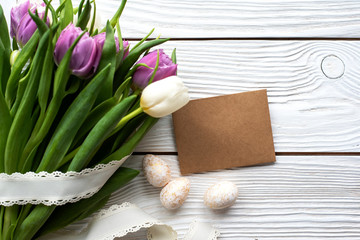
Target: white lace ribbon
(59, 188)
(54, 188)
(119, 220)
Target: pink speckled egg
(156, 171)
(221, 195)
(173, 195)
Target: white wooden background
(229, 46)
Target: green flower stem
(147, 51)
(26, 53)
(126, 119)
(91, 31)
(127, 131)
(20, 93)
(133, 69)
(142, 40)
(25, 210)
(4, 32)
(2, 210)
(94, 116)
(5, 67)
(17, 138)
(128, 147)
(116, 16)
(45, 121)
(120, 91)
(107, 57)
(120, 55)
(99, 133)
(173, 56)
(79, 9)
(72, 119)
(41, 25)
(155, 69)
(68, 157)
(5, 123)
(10, 217)
(66, 14)
(84, 16)
(33, 222)
(52, 10)
(46, 79)
(17, 135)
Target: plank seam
(276, 153)
(256, 39)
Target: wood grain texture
(295, 198)
(238, 18)
(233, 18)
(309, 112)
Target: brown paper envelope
(224, 132)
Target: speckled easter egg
(173, 195)
(221, 195)
(156, 171)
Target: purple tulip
(16, 15)
(22, 27)
(100, 38)
(166, 68)
(86, 55)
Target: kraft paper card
(224, 132)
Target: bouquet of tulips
(72, 96)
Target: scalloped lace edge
(47, 202)
(190, 233)
(56, 175)
(115, 209)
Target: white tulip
(164, 97)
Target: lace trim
(213, 235)
(57, 202)
(131, 230)
(115, 209)
(59, 176)
(190, 233)
(117, 225)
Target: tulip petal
(164, 97)
(166, 68)
(86, 55)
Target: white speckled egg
(221, 195)
(173, 195)
(156, 171)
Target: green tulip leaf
(4, 31)
(17, 136)
(71, 122)
(66, 14)
(26, 53)
(133, 56)
(108, 56)
(84, 16)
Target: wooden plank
(233, 18)
(298, 197)
(238, 18)
(309, 111)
